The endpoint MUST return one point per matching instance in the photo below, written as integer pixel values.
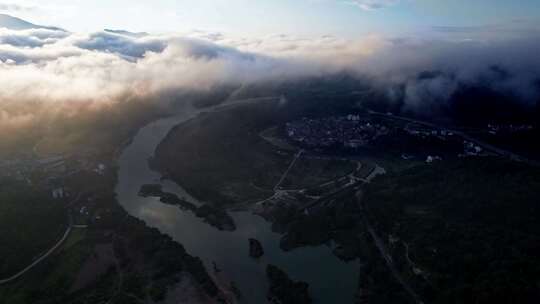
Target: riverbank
(228, 250)
(117, 258)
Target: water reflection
(331, 280)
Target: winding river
(330, 279)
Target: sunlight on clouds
(100, 68)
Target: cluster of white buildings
(58, 193)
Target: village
(353, 132)
(347, 131)
(57, 175)
(495, 129)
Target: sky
(343, 18)
(204, 44)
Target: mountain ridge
(18, 24)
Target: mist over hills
(127, 33)
(473, 81)
(417, 156)
(470, 103)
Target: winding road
(43, 257)
(484, 145)
(50, 251)
(385, 255)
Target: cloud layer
(372, 5)
(55, 66)
(12, 7)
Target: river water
(330, 279)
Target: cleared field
(310, 172)
(225, 157)
(220, 157)
(273, 136)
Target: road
(376, 239)
(43, 257)
(120, 281)
(329, 196)
(354, 184)
(288, 169)
(390, 263)
(484, 145)
(378, 242)
(50, 251)
(231, 104)
(386, 256)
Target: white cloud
(372, 5)
(12, 7)
(100, 68)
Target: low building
(430, 159)
(58, 193)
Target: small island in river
(255, 249)
(214, 216)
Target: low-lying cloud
(12, 7)
(127, 46)
(47, 65)
(372, 5)
(505, 66)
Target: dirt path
(296, 157)
(385, 255)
